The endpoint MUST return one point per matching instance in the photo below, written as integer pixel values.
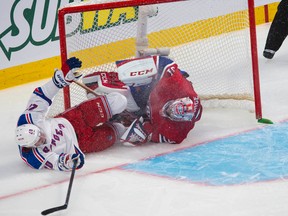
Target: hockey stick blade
(51, 210)
(58, 208)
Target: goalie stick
(62, 207)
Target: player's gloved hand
(135, 134)
(70, 69)
(66, 161)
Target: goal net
(213, 41)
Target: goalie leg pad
(103, 137)
(92, 112)
(95, 111)
(93, 139)
(99, 110)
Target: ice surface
(103, 188)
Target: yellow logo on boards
(29, 29)
(103, 19)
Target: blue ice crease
(254, 156)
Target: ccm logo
(140, 73)
(100, 110)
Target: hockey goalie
(162, 105)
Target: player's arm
(61, 78)
(42, 97)
(39, 158)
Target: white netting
(208, 41)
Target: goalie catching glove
(68, 73)
(66, 161)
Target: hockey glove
(70, 69)
(65, 161)
(135, 134)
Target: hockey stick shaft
(86, 88)
(58, 208)
(71, 182)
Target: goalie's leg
(103, 137)
(96, 110)
(88, 117)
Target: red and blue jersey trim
(25, 119)
(32, 157)
(39, 92)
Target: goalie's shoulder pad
(137, 72)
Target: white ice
(101, 188)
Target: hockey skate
(135, 134)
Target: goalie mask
(29, 135)
(181, 109)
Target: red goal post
(217, 49)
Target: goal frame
(110, 5)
